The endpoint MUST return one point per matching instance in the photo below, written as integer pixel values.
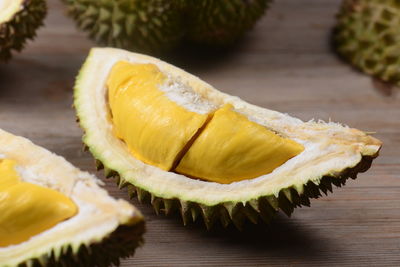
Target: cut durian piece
(28, 209)
(320, 154)
(53, 214)
(19, 20)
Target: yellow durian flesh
(222, 146)
(27, 209)
(155, 128)
(8, 175)
(233, 148)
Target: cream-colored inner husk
(185, 96)
(98, 216)
(8, 8)
(329, 148)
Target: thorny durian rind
(18, 23)
(332, 154)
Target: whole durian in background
(216, 22)
(157, 26)
(368, 36)
(19, 20)
(148, 26)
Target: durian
(53, 214)
(19, 20)
(180, 144)
(216, 22)
(147, 26)
(367, 36)
(157, 26)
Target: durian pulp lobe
(155, 128)
(27, 209)
(8, 8)
(8, 175)
(222, 146)
(233, 148)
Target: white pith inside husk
(186, 97)
(329, 148)
(98, 216)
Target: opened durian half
(53, 214)
(179, 143)
(19, 20)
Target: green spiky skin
(150, 26)
(367, 35)
(23, 26)
(157, 26)
(258, 210)
(120, 244)
(221, 22)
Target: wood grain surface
(285, 63)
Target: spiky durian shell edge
(261, 209)
(366, 36)
(229, 208)
(23, 26)
(119, 244)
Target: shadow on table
(283, 236)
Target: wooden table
(285, 64)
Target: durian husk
(21, 27)
(367, 36)
(152, 26)
(262, 209)
(92, 115)
(122, 243)
(117, 231)
(222, 22)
